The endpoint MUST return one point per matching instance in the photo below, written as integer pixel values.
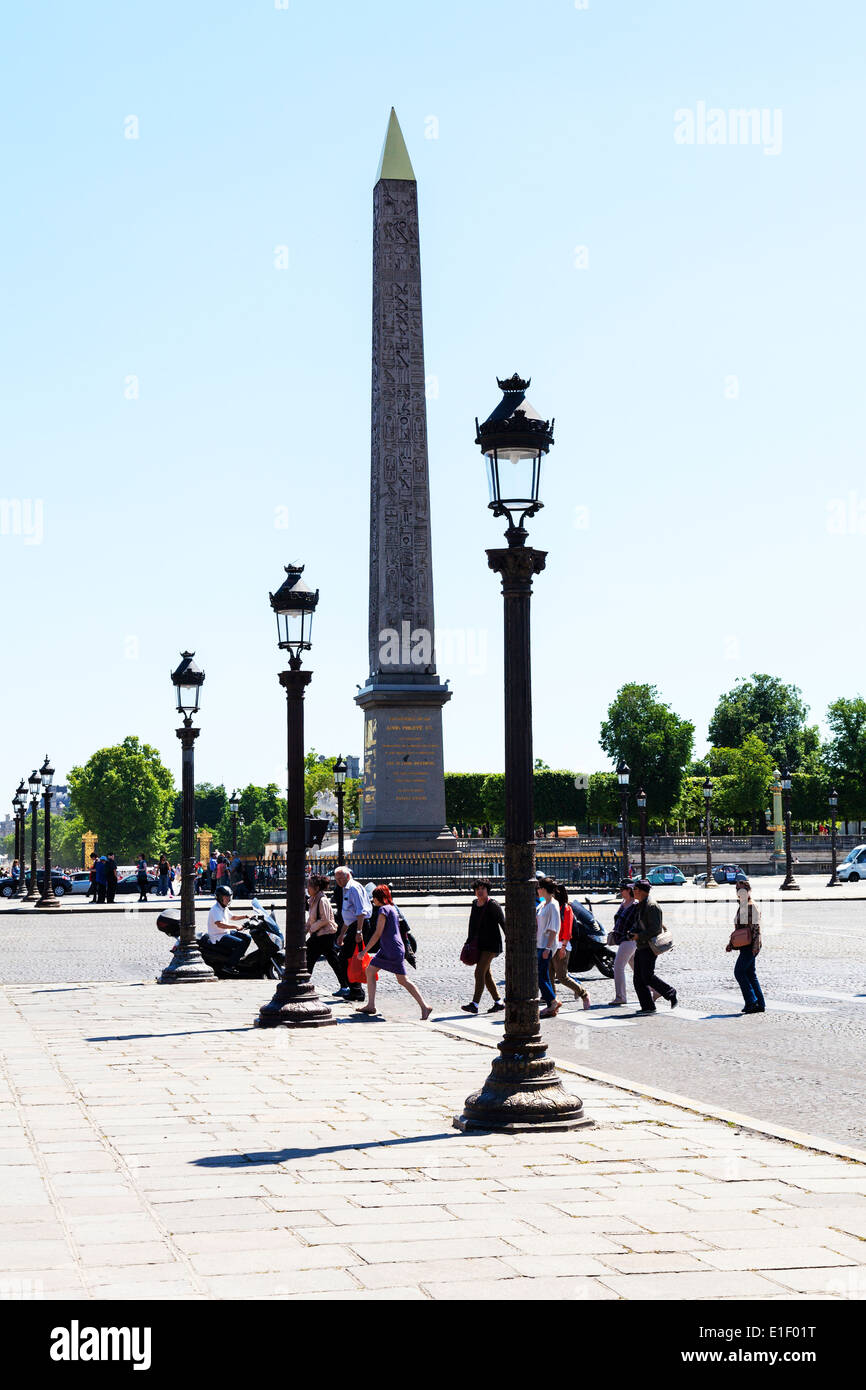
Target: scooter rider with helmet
(232, 944)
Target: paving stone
(432, 1271)
(779, 1257)
(651, 1262)
(691, 1285)
(130, 1253)
(568, 1289)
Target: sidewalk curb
(747, 1122)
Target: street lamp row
(44, 778)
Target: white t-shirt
(548, 918)
(217, 915)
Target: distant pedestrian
(211, 872)
(100, 873)
(746, 941)
(486, 920)
(559, 960)
(548, 923)
(355, 910)
(390, 954)
(110, 877)
(625, 944)
(172, 875)
(162, 873)
(322, 930)
(141, 878)
(645, 925)
(16, 875)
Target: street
(797, 1066)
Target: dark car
(61, 883)
(129, 884)
(724, 873)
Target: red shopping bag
(357, 967)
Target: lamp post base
(522, 1097)
(295, 1005)
(48, 902)
(186, 966)
(789, 886)
(835, 882)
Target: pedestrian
(746, 941)
(171, 878)
(162, 873)
(322, 930)
(211, 872)
(110, 877)
(100, 874)
(16, 875)
(141, 878)
(559, 960)
(625, 944)
(486, 920)
(390, 955)
(355, 910)
(645, 925)
(548, 920)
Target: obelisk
(403, 798)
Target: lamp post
(622, 777)
(523, 1090)
(789, 883)
(295, 1003)
(33, 782)
(48, 897)
(19, 802)
(340, 770)
(641, 806)
(707, 790)
(186, 964)
(834, 806)
(233, 807)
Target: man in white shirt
(548, 919)
(230, 943)
(355, 911)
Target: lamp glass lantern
(33, 781)
(188, 680)
(340, 769)
(833, 799)
(707, 789)
(641, 800)
(294, 604)
(234, 803)
(786, 780)
(47, 773)
(622, 774)
(514, 439)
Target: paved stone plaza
(155, 1145)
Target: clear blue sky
(707, 550)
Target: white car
(853, 866)
(80, 881)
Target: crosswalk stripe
(607, 1021)
(831, 994)
(775, 1005)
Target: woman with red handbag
(483, 945)
(390, 955)
(746, 941)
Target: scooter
(588, 946)
(266, 962)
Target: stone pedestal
(403, 801)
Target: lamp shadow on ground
(184, 1033)
(287, 1155)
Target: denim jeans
(162, 885)
(746, 974)
(547, 993)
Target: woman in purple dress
(387, 942)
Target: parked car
(853, 866)
(724, 873)
(666, 873)
(61, 883)
(129, 884)
(80, 881)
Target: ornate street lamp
(789, 883)
(834, 806)
(641, 806)
(707, 790)
(523, 1090)
(186, 963)
(295, 1003)
(622, 777)
(233, 807)
(33, 781)
(20, 804)
(340, 770)
(48, 897)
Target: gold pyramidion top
(395, 162)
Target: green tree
(602, 799)
(654, 741)
(464, 799)
(211, 804)
(765, 706)
(845, 755)
(750, 772)
(125, 795)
